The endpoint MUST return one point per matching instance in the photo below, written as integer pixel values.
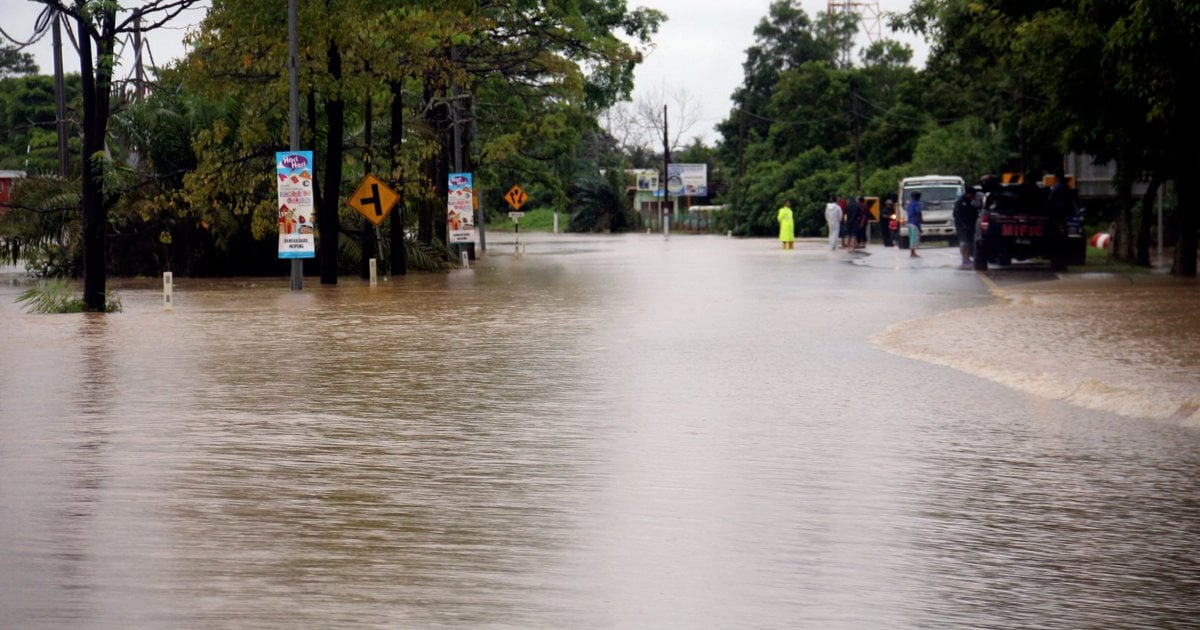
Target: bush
(56, 297)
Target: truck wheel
(1004, 261)
(981, 257)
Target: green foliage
(429, 256)
(13, 62)
(599, 203)
(967, 148)
(808, 125)
(539, 219)
(56, 296)
(28, 136)
(42, 226)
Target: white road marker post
(168, 291)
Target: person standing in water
(787, 226)
(914, 224)
(833, 219)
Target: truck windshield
(935, 194)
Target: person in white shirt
(833, 218)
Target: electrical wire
(41, 26)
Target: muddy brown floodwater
(608, 432)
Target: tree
(806, 125)
(100, 24)
(527, 76)
(27, 121)
(1105, 77)
(14, 63)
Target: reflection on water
(607, 432)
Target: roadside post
(517, 198)
(168, 291)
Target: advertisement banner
(460, 209)
(293, 170)
(687, 180)
(647, 179)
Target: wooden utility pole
(60, 99)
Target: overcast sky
(700, 49)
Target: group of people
(846, 219)
(847, 223)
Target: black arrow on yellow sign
(374, 200)
(516, 197)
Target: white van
(938, 194)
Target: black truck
(1020, 221)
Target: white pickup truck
(938, 194)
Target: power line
(41, 26)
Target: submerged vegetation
(57, 296)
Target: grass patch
(536, 220)
(56, 296)
(1098, 261)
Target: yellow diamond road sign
(516, 197)
(373, 199)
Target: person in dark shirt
(854, 215)
(860, 229)
(965, 214)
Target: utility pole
(856, 128)
(294, 120)
(666, 177)
(60, 99)
(139, 71)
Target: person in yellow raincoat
(787, 226)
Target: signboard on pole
(516, 197)
(460, 209)
(687, 180)
(373, 199)
(294, 182)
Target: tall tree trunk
(429, 166)
(1185, 247)
(1146, 222)
(437, 167)
(1122, 248)
(96, 76)
(445, 158)
(396, 138)
(368, 229)
(329, 222)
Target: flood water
(608, 432)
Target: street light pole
(294, 120)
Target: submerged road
(607, 432)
